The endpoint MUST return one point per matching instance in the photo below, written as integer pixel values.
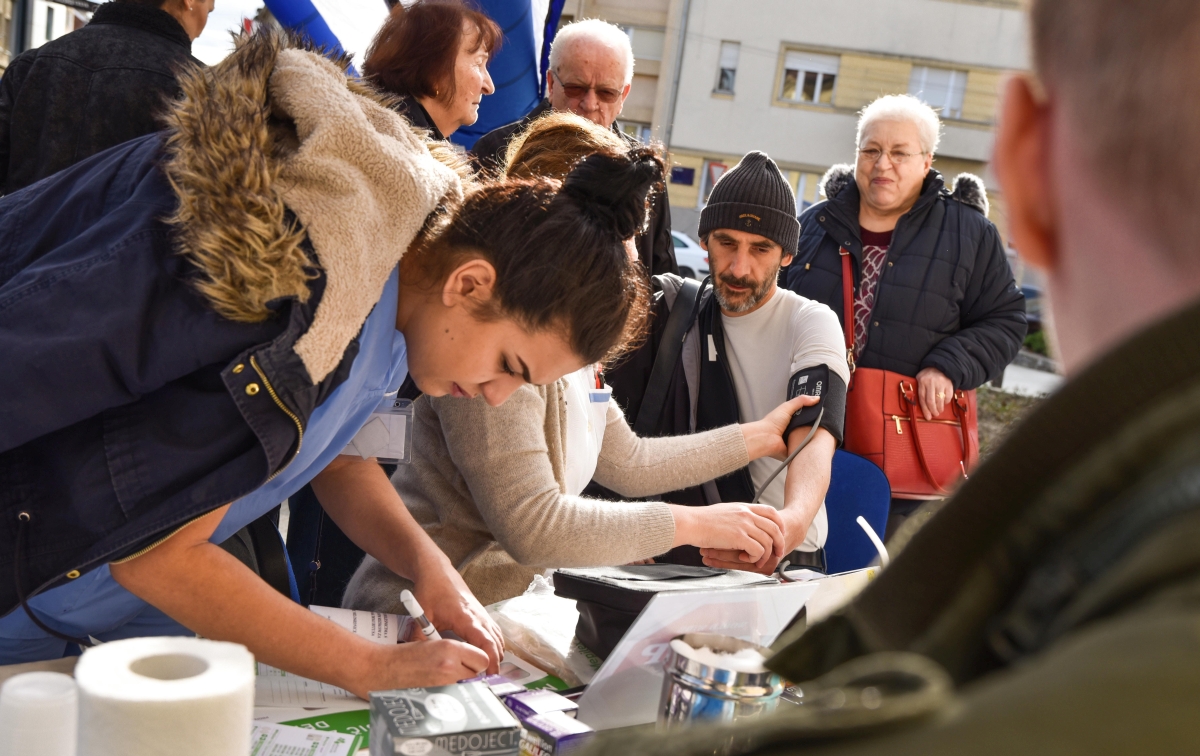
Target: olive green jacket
(1051, 607)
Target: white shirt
(587, 415)
(764, 349)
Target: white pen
(416, 612)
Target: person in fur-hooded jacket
(934, 294)
(197, 323)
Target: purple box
(553, 734)
(530, 703)
(501, 685)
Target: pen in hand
(416, 612)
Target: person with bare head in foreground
(1049, 607)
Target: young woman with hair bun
(497, 488)
(199, 322)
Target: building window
(940, 88)
(713, 171)
(647, 43)
(727, 66)
(639, 131)
(809, 77)
(49, 23)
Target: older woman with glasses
(933, 294)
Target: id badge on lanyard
(387, 436)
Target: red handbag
(922, 459)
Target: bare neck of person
(881, 221)
(1112, 278)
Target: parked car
(1033, 306)
(691, 257)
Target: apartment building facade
(789, 76)
(717, 78)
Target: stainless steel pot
(693, 691)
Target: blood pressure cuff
(821, 382)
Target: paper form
(274, 687)
(282, 740)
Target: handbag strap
(848, 307)
(959, 403)
(908, 397)
(679, 322)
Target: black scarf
(717, 405)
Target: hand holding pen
(416, 612)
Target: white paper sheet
(274, 687)
(282, 740)
(379, 627)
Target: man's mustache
(746, 283)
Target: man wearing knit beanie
(752, 200)
(750, 346)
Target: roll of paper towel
(38, 712)
(151, 696)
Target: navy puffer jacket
(946, 297)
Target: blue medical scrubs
(96, 605)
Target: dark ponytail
(558, 250)
(612, 190)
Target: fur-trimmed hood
(275, 128)
(967, 188)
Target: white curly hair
(596, 30)
(903, 108)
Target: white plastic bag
(540, 627)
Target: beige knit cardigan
(486, 484)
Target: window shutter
(729, 55)
(795, 60)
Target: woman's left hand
(934, 390)
(450, 605)
(764, 438)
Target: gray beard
(750, 302)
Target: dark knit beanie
(754, 197)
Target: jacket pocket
(125, 463)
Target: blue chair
(856, 487)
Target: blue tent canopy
(518, 69)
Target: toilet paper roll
(151, 696)
(38, 715)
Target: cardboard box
(554, 734)
(450, 720)
(530, 703)
(501, 685)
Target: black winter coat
(946, 298)
(90, 90)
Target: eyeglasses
(896, 157)
(579, 91)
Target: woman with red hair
(433, 55)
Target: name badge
(387, 436)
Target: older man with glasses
(933, 294)
(591, 70)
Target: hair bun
(612, 190)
